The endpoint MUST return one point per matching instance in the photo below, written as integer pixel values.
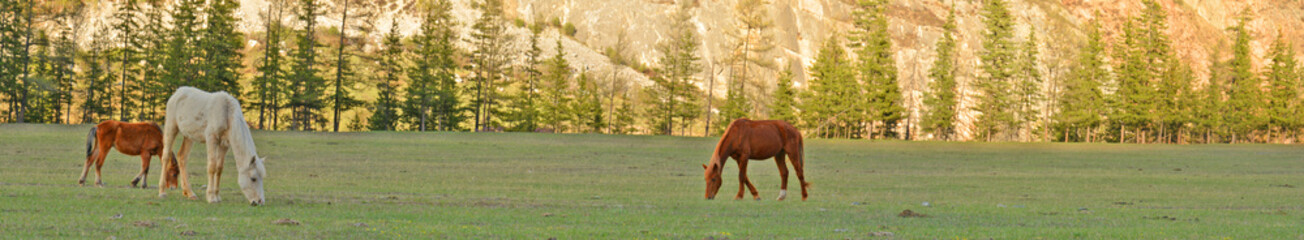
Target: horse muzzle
(255, 203)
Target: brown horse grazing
(756, 140)
(133, 139)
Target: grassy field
(535, 186)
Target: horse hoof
(162, 195)
(214, 199)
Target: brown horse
(756, 140)
(133, 139)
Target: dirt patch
(1282, 185)
(911, 214)
(144, 224)
(188, 233)
(1123, 203)
(286, 222)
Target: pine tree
(307, 88)
(674, 95)
(62, 75)
(830, 98)
(586, 109)
(492, 53)
(385, 116)
(154, 84)
(623, 122)
(1028, 89)
(998, 59)
(11, 36)
(1213, 105)
(1083, 102)
(785, 99)
(269, 86)
(555, 102)
(1283, 78)
(40, 106)
(98, 83)
(877, 69)
(433, 101)
(942, 102)
(525, 108)
(128, 28)
(1135, 95)
(1243, 111)
(179, 67)
(221, 45)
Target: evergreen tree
(1134, 98)
(556, 102)
(1213, 105)
(40, 106)
(307, 88)
(433, 101)
(154, 82)
(97, 106)
(1082, 103)
(785, 99)
(942, 102)
(674, 95)
(12, 32)
(221, 45)
(623, 122)
(1283, 80)
(492, 53)
(1028, 89)
(270, 85)
(1243, 105)
(385, 116)
(179, 67)
(128, 28)
(62, 75)
(525, 109)
(830, 98)
(998, 59)
(586, 109)
(877, 69)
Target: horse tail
(90, 142)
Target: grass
(514, 186)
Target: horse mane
(238, 135)
(725, 140)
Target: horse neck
(722, 150)
(238, 136)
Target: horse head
(712, 179)
(251, 180)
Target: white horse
(214, 119)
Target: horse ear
(703, 166)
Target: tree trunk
(339, 64)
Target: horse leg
(184, 179)
(99, 164)
(744, 182)
(90, 160)
(783, 176)
(216, 154)
(144, 170)
(798, 162)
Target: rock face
(1196, 28)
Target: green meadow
(538, 186)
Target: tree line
(303, 77)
